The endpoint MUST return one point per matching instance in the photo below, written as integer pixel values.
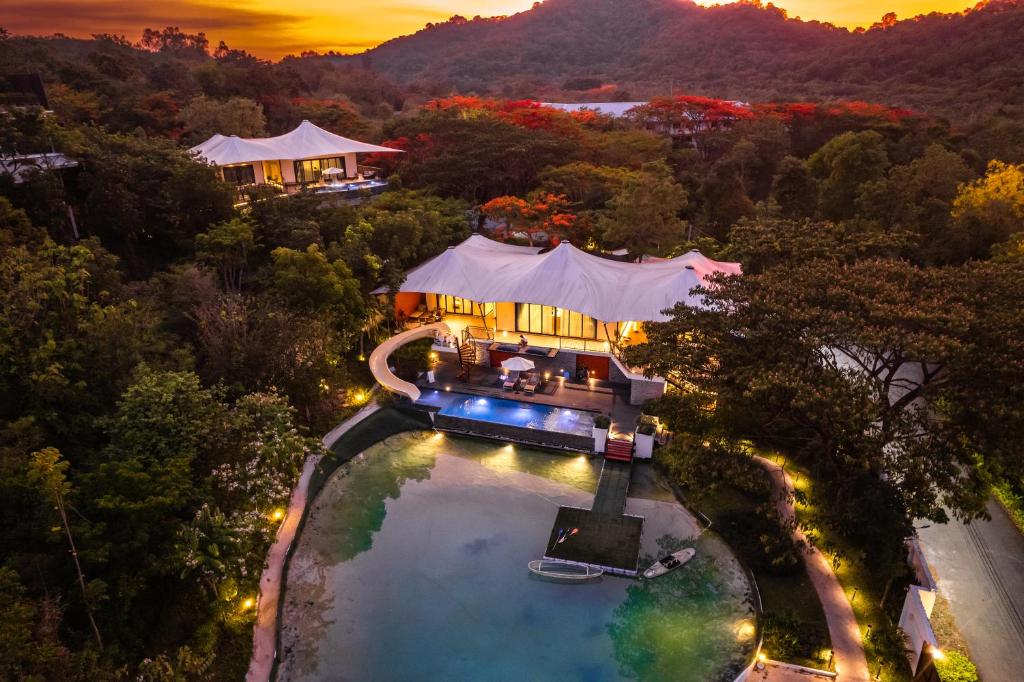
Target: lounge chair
(531, 383)
(511, 381)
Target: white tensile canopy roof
(307, 141)
(482, 269)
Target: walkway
(264, 636)
(850, 662)
(980, 571)
(612, 488)
(379, 358)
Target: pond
(413, 566)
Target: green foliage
(794, 189)
(955, 667)
(227, 246)
(204, 117)
(308, 282)
(788, 637)
(789, 348)
(146, 198)
(842, 166)
(476, 158)
(643, 215)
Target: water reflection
(414, 567)
(675, 626)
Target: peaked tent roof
(611, 291)
(307, 141)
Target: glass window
(311, 170)
(463, 306)
(543, 319)
(272, 172)
(240, 175)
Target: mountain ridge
(943, 63)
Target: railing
(370, 172)
(585, 345)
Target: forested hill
(956, 64)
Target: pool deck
(607, 398)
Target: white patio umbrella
(517, 364)
(334, 171)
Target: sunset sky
(273, 28)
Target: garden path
(850, 662)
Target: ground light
(937, 654)
(248, 603)
(277, 515)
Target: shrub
(602, 422)
(646, 429)
(955, 667)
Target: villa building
(576, 311)
(307, 157)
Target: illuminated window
(545, 319)
(311, 170)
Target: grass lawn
(790, 600)
(864, 587)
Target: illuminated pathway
(264, 636)
(850, 662)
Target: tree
(204, 117)
(696, 118)
(227, 246)
(643, 215)
(308, 282)
(48, 470)
(842, 166)
(837, 364)
(766, 243)
(794, 190)
(989, 210)
(476, 158)
(146, 198)
(917, 198)
(539, 213)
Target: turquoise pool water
(522, 414)
(412, 566)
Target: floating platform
(610, 542)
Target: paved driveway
(980, 570)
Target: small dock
(607, 538)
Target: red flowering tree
(540, 212)
(691, 116)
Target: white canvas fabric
(307, 141)
(518, 364)
(482, 269)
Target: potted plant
(601, 424)
(643, 439)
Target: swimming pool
(521, 414)
(412, 566)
